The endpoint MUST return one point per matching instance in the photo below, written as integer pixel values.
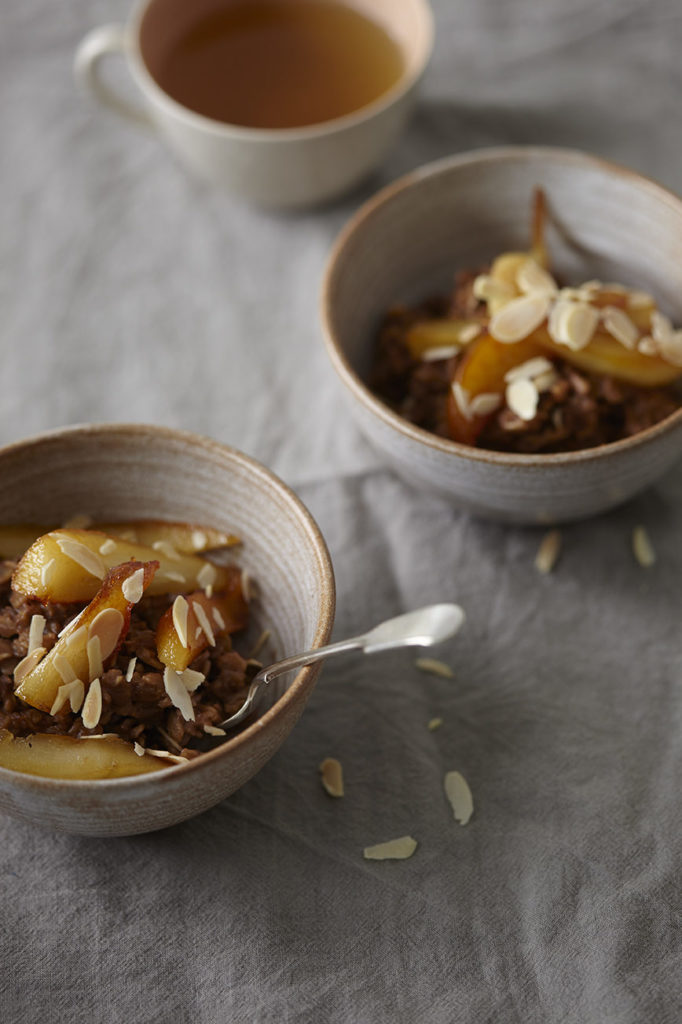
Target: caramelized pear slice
(606, 356)
(185, 538)
(225, 612)
(69, 565)
(107, 617)
(63, 757)
(481, 371)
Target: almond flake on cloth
(177, 691)
(434, 667)
(459, 795)
(394, 849)
(332, 776)
(643, 548)
(548, 552)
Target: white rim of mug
(148, 84)
(379, 409)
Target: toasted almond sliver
(107, 547)
(434, 723)
(180, 611)
(643, 548)
(332, 776)
(28, 663)
(203, 620)
(485, 403)
(532, 278)
(177, 691)
(458, 793)
(394, 849)
(461, 396)
(35, 632)
(61, 698)
(92, 705)
(548, 552)
(167, 549)
(214, 730)
(575, 324)
(434, 667)
(522, 398)
(531, 369)
(76, 695)
(133, 587)
(191, 679)
(620, 326)
(206, 576)
(94, 651)
(175, 577)
(72, 692)
(519, 318)
(83, 556)
(469, 332)
(199, 540)
(47, 572)
(166, 756)
(139, 749)
(433, 355)
(108, 626)
(64, 668)
(131, 669)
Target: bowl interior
(606, 223)
(142, 472)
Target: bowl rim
(323, 626)
(361, 220)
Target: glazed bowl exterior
(132, 472)
(407, 242)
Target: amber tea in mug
(278, 63)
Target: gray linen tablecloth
(131, 293)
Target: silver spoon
(421, 628)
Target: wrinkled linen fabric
(131, 293)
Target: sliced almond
(92, 705)
(218, 619)
(332, 776)
(214, 730)
(434, 667)
(573, 324)
(620, 326)
(661, 327)
(529, 370)
(433, 355)
(204, 622)
(28, 663)
(107, 547)
(35, 632)
(108, 626)
(191, 679)
(548, 552)
(485, 403)
(139, 749)
(64, 668)
(459, 795)
(394, 849)
(131, 669)
(206, 576)
(177, 691)
(180, 612)
(469, 332)
(73, 693)
(167, 549)
(133, 587)
(488, 289)
(47, 572)
(531, 278)
(643, 548)
(648, 347)
(522, 398)
(164, 755)
(83, 556)
(546, 381)
(519, 318)
(94, 652)
(639, 300)
(461, 396)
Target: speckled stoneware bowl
(123, 472)
(407, 242)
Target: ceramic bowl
(123, 472)
(460, 212)
(285, 168)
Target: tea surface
(268, 64)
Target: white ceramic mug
(274, 167)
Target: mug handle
(101, 42)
